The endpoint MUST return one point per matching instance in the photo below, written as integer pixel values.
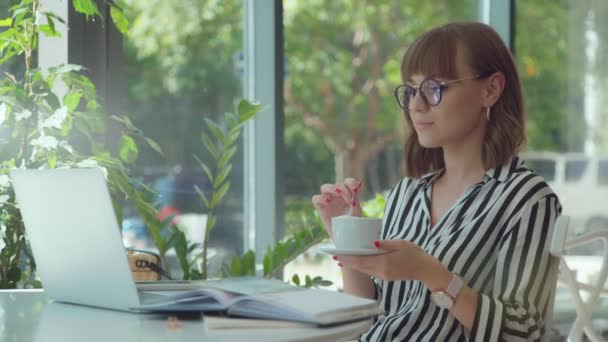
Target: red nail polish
(338, 190)
(327, 199)
(377, 244)
(355, 190)
(340, 264)
(354, 203)
(335, 257)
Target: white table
(27, 315)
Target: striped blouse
(495, 237)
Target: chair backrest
(558, 242)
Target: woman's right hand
(336, 200)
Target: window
(341, 120)
(561, 53)
(602, 172)
(545, 168)
(15, 66)
(575, 169)
(183, 63)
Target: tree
(552, 67)
(343, 60)
(181, 68)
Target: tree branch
(379, 144)
(309, 119)
(374, 98)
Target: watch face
(442, 300)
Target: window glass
(562, 54)
(602, 172)
(342, 65)
(545, 168)
(14, 66)
(575, 170)
(183, 64)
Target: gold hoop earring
(488, 113)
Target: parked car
(580, 181)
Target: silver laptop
(75, 238)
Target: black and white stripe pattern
(496, 237)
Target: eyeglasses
(431, 91)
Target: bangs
(433, 55)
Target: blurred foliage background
(184, 61)
(341, 65)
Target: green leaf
(219, 195)
(49, 30)
(248, 263)
(121, 22)
(14, 274)
(211, 221)
(296, 279)
(247, 110)
(222, 176)
(308, 281)
(126, 122)
(226, 156)
(65, 68)
(128, 149)
(6, 22)
(268, 264)
(19, 14)
(235, 266)
(51, 23)
(154, 145)
(172, 238)
(232, 120)
(202, 196)
(54, 16)
(52, 159)
(86, 7)
(71, 100)
(280, 250)
(205, 168)
(210, 146)
(232, 137)
(215, 129)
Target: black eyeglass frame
(441, 86)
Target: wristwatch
(445, 298)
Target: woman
(467, 230)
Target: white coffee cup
(352, 232)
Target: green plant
(220, 142)
(374, 207)
(300, 215)
(46, 130)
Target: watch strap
(455, 286)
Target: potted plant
(41, 129)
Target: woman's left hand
(403, 261)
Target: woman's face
(459, 116)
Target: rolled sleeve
(515, 310)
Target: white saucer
(341, 251)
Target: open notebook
(273, 299)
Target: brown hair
(433, 53)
